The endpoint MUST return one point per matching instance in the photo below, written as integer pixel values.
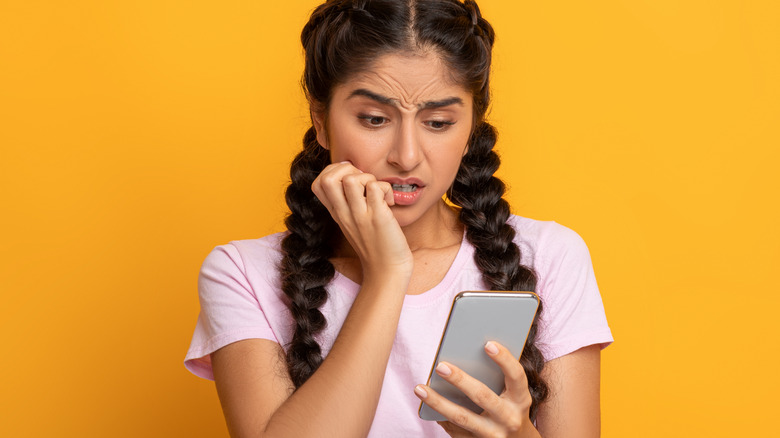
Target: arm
(340, 398)
(573, 407)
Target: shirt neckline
(465, 251)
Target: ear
(318, 120)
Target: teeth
(404, 187)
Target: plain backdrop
(137, 135)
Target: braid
(484, 213)
(340, 38)
(480, 26)
(305, 268)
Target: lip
(407, 181)
(406, 198)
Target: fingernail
(443, 369)
(491, 348)
(420, 391)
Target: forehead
(410, 78)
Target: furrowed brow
(373, 96)
(394, 102)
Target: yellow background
(137, 135)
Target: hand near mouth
(406, 191)
(360, 205)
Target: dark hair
(342, 38)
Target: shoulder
(544, 241)
(240, 298)
(251, 259)
(250, 253)
(573, 315)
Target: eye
(439, 125)
(373, 121)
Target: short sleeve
(573, 312)
(229, 309)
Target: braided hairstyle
(342, 38)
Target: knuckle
(330, 179)
(325, 184)
(514, 418)
(514, 423)
(372, 186)
(380, 185)
(350, 179)
(483, 396)
(461, 419)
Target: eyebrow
(389, 101)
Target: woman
(330, 329)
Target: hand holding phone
(475, 318)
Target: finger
(514, 375)
(388, 191)
(329, 189)
(354, 186)
(475, 390)
(377, 194)
(317, 185)
(453, 430)
(455, 414)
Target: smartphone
(475, 318)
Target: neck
(438, 228)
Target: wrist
(387, 279)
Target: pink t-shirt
(241, 298)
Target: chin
(409, 215)
(405, 215)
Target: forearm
(340, 398)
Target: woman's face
(405, 121)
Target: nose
(406, 152)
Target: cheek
(453, 167)
(447, 156)
(359, 146)
(343, 141)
